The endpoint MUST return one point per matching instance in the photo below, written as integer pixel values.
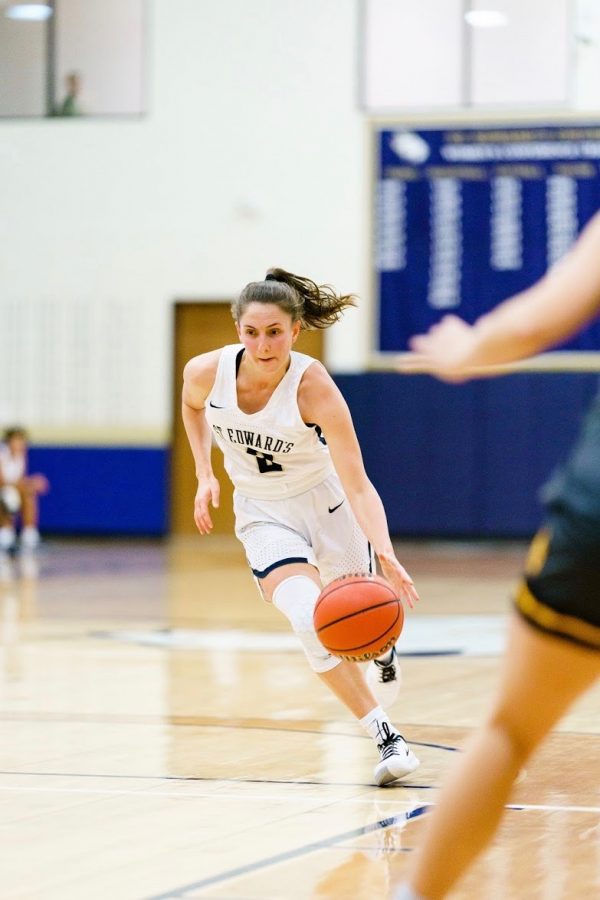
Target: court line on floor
(550, 807)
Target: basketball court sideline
(163, 736)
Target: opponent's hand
(444, 351)
(206, 495)
(399, 578)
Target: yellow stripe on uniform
(538, 552)
(550, 620)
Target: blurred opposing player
(553, 652)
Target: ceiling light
(486, 18)
(28, 12)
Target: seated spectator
(19, 492)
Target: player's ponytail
(313, 305)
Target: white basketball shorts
(317, 527)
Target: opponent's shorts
(561, 589)
(316, 527)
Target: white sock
(373, 721)
(386, 658)
(7, 537)
(30, 536)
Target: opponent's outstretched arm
(553, 309)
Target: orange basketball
(358, 617)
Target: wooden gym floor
(163, 737)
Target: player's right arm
(198, 379)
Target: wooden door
(200, 327)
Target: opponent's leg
(541, 677)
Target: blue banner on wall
(465, 217)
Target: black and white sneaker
(397, 759)
(384, 679)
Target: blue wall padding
(527, 425)
(104, 490)
(417, 439)
(465, 460)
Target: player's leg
(342, 548)
(29, 506)
(10, 503)
(384, 677)
(293, 589)
(396, 759)
(542, 675)
(284, 549)
(30, 536)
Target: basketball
(358, 617)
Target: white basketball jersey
(12, 468)
(271, 453)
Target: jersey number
(264, 461)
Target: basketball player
(553, 651)
(305, 510)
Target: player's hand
(38, 483)
(444, 351)
(399, 578)
(206, 495)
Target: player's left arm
(321, 402)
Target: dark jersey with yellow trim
(561, 589)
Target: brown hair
(14, 431)
(313, 305)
